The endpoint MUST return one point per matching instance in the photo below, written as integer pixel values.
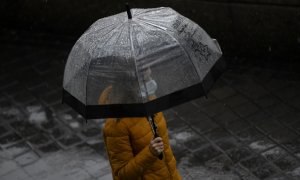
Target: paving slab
(7, 166)
(18, 174)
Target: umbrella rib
(120, 33)
(139, 12)
(132, 55)
(108, 39)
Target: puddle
(10, 112)
(176, 140)
(295, 172)
(75, 125)
(67, 117)
(37, 115)
(260, 145)
(274, 153)
(183, 136)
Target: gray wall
(264, 29)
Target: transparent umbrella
(140, 62)
(154, 53)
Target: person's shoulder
(159, 117)
(115, 128)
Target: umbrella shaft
(153, 126)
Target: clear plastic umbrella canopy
(130, 67)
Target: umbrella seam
(134, 59)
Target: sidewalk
(247, 128)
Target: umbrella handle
(154, 127)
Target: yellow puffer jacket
(127, 143)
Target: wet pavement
(248, 127)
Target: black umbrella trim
(149, 108)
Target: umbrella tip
(128, 11)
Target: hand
(156, 146)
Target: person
(131, 147)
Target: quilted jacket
(127, 144)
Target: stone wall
(264, 29)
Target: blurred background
(261, 29)
(250, 123)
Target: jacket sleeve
(124, 164)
